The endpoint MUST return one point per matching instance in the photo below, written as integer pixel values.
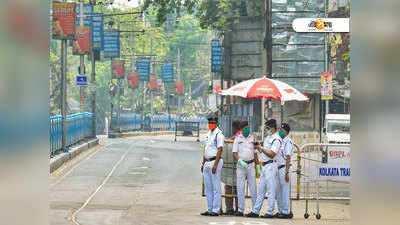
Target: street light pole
(179, 77)
(64, 92)
(82, 62)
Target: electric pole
(64, 92)
(133, 67)
(82, 62)
(151, 72)
(179, 78)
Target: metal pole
(151, 72)
(111, 100)
(82, 63)
(93, 95)
(326, 60)
(262, 118)
(119, 105)
(119, 98)
(133, 67)
(179, 77)
(64, 93)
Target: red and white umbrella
(264, 88)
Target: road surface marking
(145, 159)
(73, 215)
(137, 173)
(78, 164)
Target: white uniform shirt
(215, 139)
(244, 147)
(273, 143)
(286, 150)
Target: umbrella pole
(262, 118)
(281, 113)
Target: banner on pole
(87, 12)
(81, 45)
(111, 44)
(118, 69)
(179, 87)
(133, 78)
(153, 82)
(326, 86)
(63, 20)
(97, 32)
(216, 56)
(143, 68)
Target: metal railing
(79, 127)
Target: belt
(268, 162)
(211, 159)
(250, 161)
(281, 166)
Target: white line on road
(78, 164)
(73, 215)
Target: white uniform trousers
(267, 184)
(212, 184)
(282, 192)
(243, 174)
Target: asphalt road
(149, 180)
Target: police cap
(286, 127)
(271, 123)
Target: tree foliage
(218, 15)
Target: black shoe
(282, 216)
(206, 213)
(214, 214)
(266, 215)
(253, 215)
(239, 213)
(229, 212)
(277, 215)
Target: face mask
(269, 132)
(281, 134)
(212, 126)
(246, 132)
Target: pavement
(150, 180)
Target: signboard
(111, 44)
(338, 154)
(81, 45)
(167, 72)
(326, 86)
(118, 69)
(97, 32)
(143, 68)
(87, 11)
(81, 80)
(331, 171)
(216, 56)
(337, 167)
(63, 20)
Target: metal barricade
(187, 128)
(322, 173)
(78, 128)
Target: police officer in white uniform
(283, 184)
(246, 157)
(211, 167)
(269, 154)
